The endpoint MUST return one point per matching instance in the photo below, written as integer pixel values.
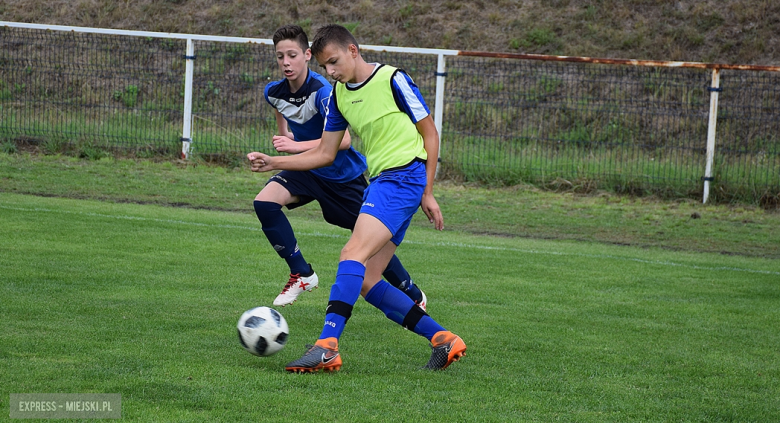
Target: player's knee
(354, 252)
(347, 253)
(266, 209)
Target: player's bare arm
(322, 155)
(281, 125)
(285, 141)
(284, 144)
(429, 205)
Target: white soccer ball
(262, 331)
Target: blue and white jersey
(407, 97)
(304, 112)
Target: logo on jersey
(357, 101)
(367, 204)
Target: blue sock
(280, 234)
(343, 295)
(396, 274)
(396, 306)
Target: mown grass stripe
(440, 244)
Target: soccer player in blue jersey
(383, 106)
(299, 101)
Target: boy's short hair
(332, 34)
(294, 33)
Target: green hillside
(723, 31)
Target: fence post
(714, 90)
(186, 136)
(439, 104)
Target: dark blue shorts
(340, 202)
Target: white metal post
(714, 90)
(439, 104)
(186, 135)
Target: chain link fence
(60, 89)
(580, 126)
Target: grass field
(518, 211)
(143, 300)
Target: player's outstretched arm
(322, 155)
(429, 205)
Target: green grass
(747, 179)
(142, 300)
(603, 308)
(519, 211)
(131, 131)
(500, 160)
(60, 129)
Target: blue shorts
(340, 202)
(394, 196)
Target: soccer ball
(262, 331)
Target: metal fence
(572, 122)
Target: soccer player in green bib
(299, 101)
(400, 142)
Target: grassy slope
(731, 31)
(516, 212)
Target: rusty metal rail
(626, 62)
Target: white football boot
(423, 303)
(295, 286)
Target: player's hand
(259, 162)
(431, 209)
(284, 144)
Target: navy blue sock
(343, 295)
(280, 234)
(396, 306)
(396, 274)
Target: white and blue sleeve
(410, 97)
